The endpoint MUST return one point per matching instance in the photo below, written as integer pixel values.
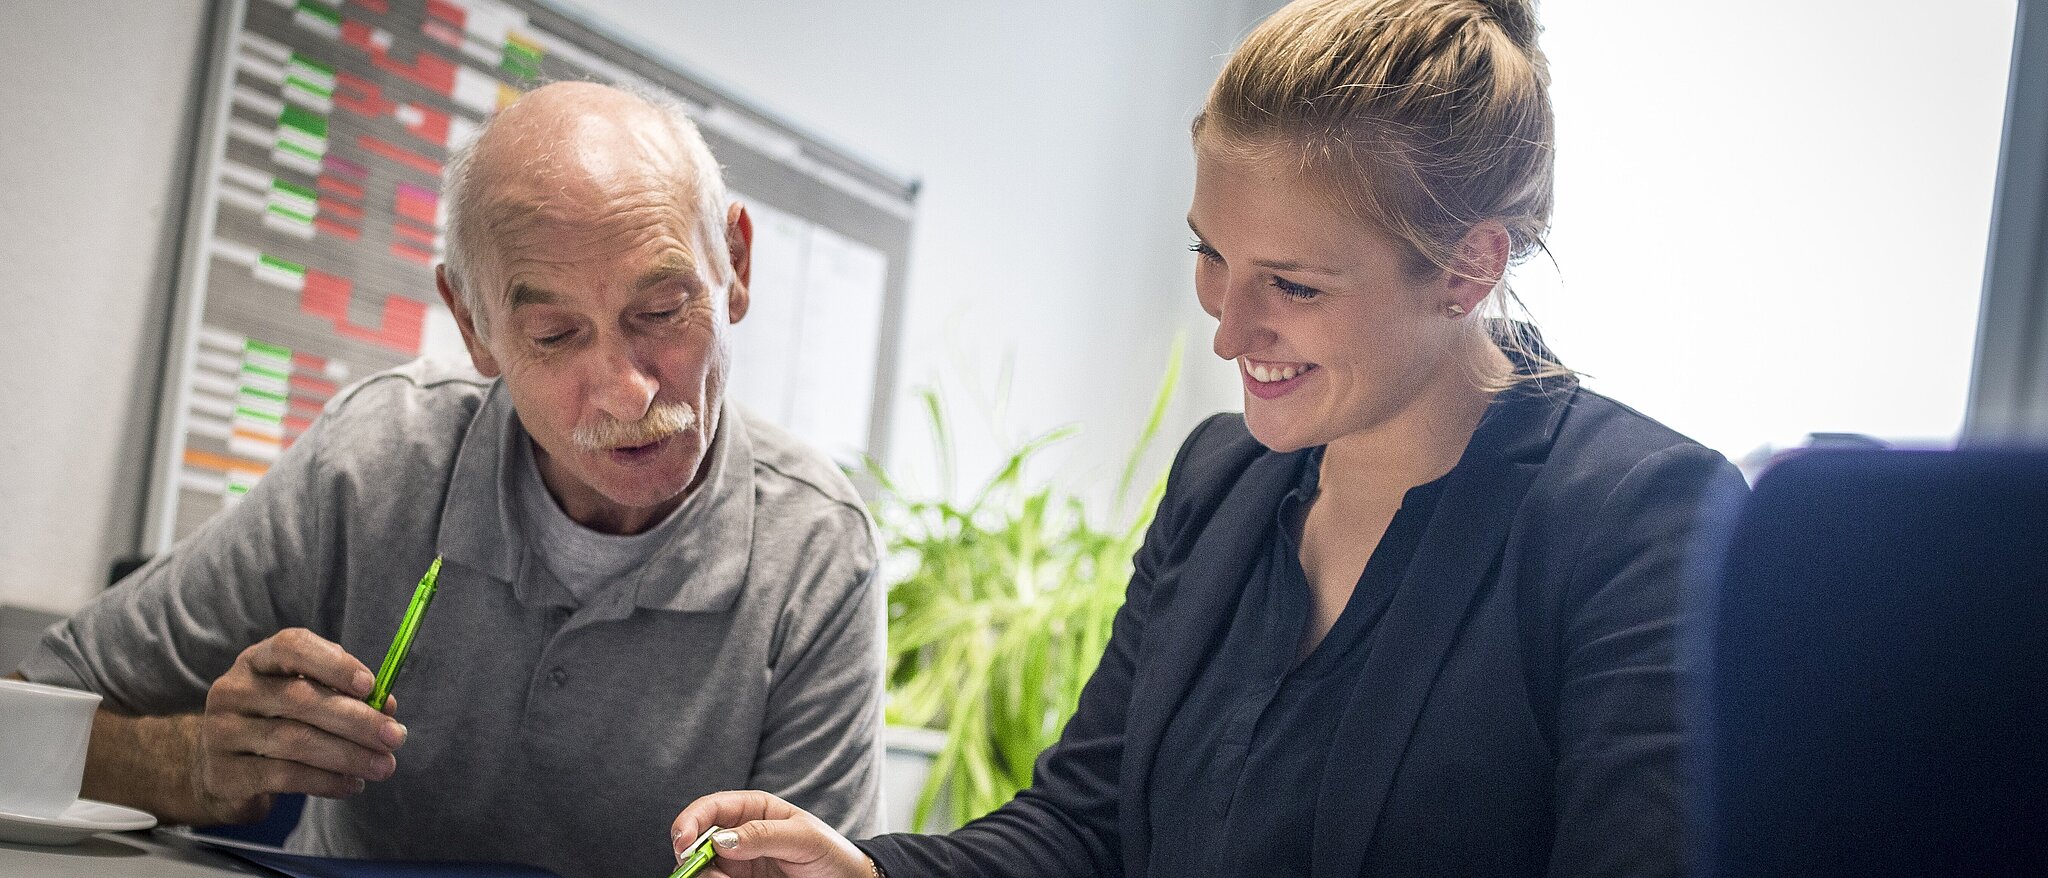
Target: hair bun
(1517, 18)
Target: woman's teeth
(1270, 374)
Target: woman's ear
(1481, 261)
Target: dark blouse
(1243, 755)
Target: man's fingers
(289, 717)
(294, 741)
(303, 700)
(297, 652)
(249, 776)
(299, 675)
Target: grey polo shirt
(745, 654)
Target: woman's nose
(1240, 324)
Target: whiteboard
(313, 222)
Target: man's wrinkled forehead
(571, 204)
(606, 172)
(544, 151)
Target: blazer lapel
(1459, 550)
(1186, 619)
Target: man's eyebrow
(1277, 264)
(673, 267)
(527, 294)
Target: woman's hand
(766, 837)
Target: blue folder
(282, 861)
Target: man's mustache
(663, 420)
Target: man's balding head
(540, 166)
(594, 267)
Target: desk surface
(119, 855)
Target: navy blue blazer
(1516, 716)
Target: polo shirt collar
(479, 526)
(700, 569)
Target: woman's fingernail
(726, 838)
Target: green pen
(394, 658)
(696, 856)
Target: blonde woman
(1412, 613)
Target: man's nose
(624, 386)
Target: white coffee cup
(43, 732)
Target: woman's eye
(1205, 251)
(1295, 290)
(552, 339)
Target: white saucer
(85, 817)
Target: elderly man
(646, 595)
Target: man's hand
(290, 717)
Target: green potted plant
(1004, 611)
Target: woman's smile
(1272, 380)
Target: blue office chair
(1868, 656)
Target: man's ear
(1482, 259)
(479, 355)
(739, 240)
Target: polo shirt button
(559, 677)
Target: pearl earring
(1455, 310)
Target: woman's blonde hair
(1426, 117)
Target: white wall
(1050, 137)
(94, 115)
(1772, 216)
